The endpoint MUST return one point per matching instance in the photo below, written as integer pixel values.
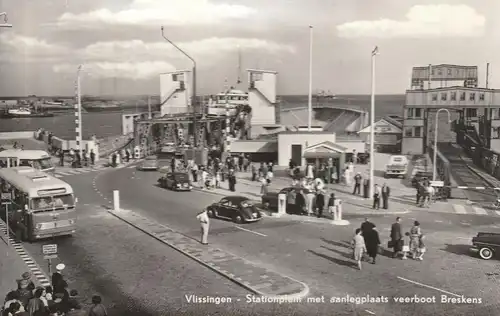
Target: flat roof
(24, 154)
(31, 180)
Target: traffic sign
(50, 249)
(6, 198)
(50, 257)
(438, 184)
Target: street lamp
(78, 110)
(372, 122)
(309, 97)
(434, 167)
(5, 24)
(194, 102)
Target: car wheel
(238, 219)
(486, 253)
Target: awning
(253, 146)
(321, 155)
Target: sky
(120, 44)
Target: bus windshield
(43, 164)
(51, 202)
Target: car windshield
(51, 202)
(181, 177)
(246, 204)
(44, 163)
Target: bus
(48, 203)
(37, 159)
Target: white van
(37, 159)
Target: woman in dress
(359, 247)
(415, 233)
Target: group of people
(425, 193)
(366, 240)
(78, 159)
(55, 300)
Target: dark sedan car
(487, 245)
(238, 209)
(270, 200)
(178, 181)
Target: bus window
(25, 163)
(3, 162)
(43, 164)
(49, 203)
(13, 162)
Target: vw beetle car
(238, 209)
(149, 164)
(177, 181)
(487, 245)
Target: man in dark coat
(396, 237)
(372, 242)
(320, 204)
(357, 184)
(367, 226)
(386, 192)
(92, 157)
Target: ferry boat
(24, 113)
(232, 99)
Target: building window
(449, 72)
(481, 97)
(409, 131)
(472, 96)
(432, 71)
(462, 96)
(470, 112)
(409, 113)
(440, 72)
(444, 96)
(434, 97)
(495, 132)
(418, 113)
(453, 96)
(418, 131)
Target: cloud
(136, 59)
(127, 70)
(30, 46)
(421, 21)
(160, 12)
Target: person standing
(97, 308)
(359, 247)
(92, 157)
(263, 186)
(386, 192)
(372, 241)
(61, 157)
(396, 237)
(232, 181)
(376, 197)
(205, 223)
(20, 229)
(254, 172)
(320, 203)
(357, 184)
(309, 200)
(421, 248)
(331, 204)
(415, 233)
(114, 158)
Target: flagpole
(372, 124)
(309, 99)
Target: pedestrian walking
(310, 200)
(386, 192)
(415, 233)
(421, 248)
(254, 172)
(92, 157)
(366, 226)
(376, 197)
(61, 158)
(359, 247)
(319, 203)
(205, 223)
(331, 204)
(406, 245)
(57, 279)
(35, 305)
(263, 186)
(396, 236)
(372, 241)
(357, 184)
(18, 225)
(114, 158)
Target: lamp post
(434, 164)
(5, 24)
(78, 111)
(372, 122)
(309, 97)
(194, 102)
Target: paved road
(314, 252)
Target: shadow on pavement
(461, 250)
(343, 244)
(341, 262)
(346, 255)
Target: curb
(41, 278)
(290, 297)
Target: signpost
(6, 200)
(49, 252)
(437, 184)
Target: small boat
(24, 113)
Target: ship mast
(239, 66)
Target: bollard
(116, 200)
(281, 204)
(337, 215)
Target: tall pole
(5, 24)
(228, 122)
(430, 77)
(434, 164)
(309, 100)
(194, 102)
(149, 108)
(78, 111)
(487, 75)
(372, 123)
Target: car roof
(236, 198)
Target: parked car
(238, 209)
(270, 200)
(420, 176)
(177, 181)
(397, 166)
(148, 164)
(487, 245)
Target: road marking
(369, 312)
(428, 286)
(480, 210)
(250, 231)
(459, 209)
(64, 173)
(438, 221)
(58, 175)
